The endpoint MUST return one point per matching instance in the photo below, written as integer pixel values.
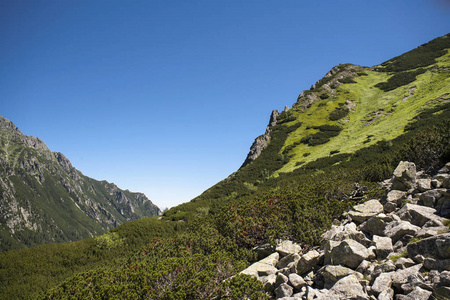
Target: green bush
(346, 80)
(399, 79)
(420, 57)
(323, 136)
(430, 148)
(339, 113)
(324, 96)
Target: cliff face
(44, 199)
(261, 141)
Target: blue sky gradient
(166, 97)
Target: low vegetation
(294, 190)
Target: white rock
(348, 253)
(383, 246)
(286, 247)
(349, 288)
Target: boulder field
(397, 247)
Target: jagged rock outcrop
(261, 141)
(378, 251)
(44, 199)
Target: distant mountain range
(44, 199)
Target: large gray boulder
(404, 176)
(286, 247)
(400, 277)
(387, 294)
(429, 198)
(418, 215)
(284, 290)
(382, 282)
(437, 247)
(268, 282)
(436, 264)
(396, 196)
(350, 232)
(423, 184)
(376, 225)
(444, 207)
(383, 246)
(296, 281)
(348, 253)
(285, 261)
(330, 274)
(263, 267)
(418, 294)
(396, 230)
(364, 211)
(393, 200)
(349, 288)
(308, 262)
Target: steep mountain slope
(317, 159)
(44, 199)
(349, 109)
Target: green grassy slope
(293, 190)
(377, 115)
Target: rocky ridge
(397, 247)
(43, 198)
(261, 141)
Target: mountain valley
(316, 165)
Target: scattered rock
(287, 247)
(404, 176)
(383, 246)
(387, 294)
(284, 290)
(419, 294)
(285, 261)
(296, 281)
(349, 288)
(367, 261)
(308, 262)
(349, 253)
(396, 230)
(364, 211)
(418, 215)
(381, 283)
(437, 247)
(423, 184)
(331, 274)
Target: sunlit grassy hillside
(374, 114)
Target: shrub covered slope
(325, 154)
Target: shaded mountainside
(316, 160)
(44, 199)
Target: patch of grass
(394, 258)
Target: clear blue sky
(165, 97)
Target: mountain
(44, 199)
(326, 154)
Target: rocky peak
(261, 141)
(7, 125)
(33, 178)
